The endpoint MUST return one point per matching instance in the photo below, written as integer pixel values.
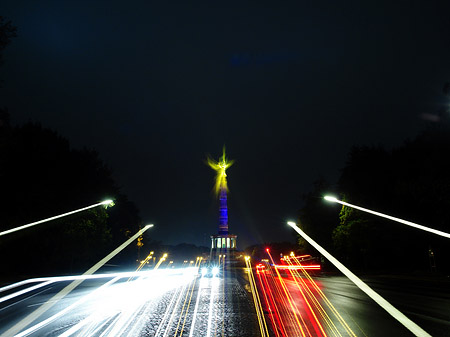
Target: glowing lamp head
(291, 223)
(108, 203)
(330, 198)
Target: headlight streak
(223, 296)
(118, 307)
(172, 316)
(190, 274)
(214, 286)
(405, 222)
(194, 315)
(144, 262)
(256, 300)
(405, 321)
(161, 260)
(190, 290)
(43, 308)
(49, 280)
(121, 308)
(62, 312)
(24, 291)
(12, 230)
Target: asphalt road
(181, 303)
(351, 312)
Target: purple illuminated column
(223, 210)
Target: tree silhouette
(43, 176)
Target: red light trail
(294, 303)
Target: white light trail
(42, 309)
(24, 291)
(12, 230)
(49, 280)
(172, 304)
(62, 312)
(119, 310)
(194, 316)
(405, 222)
(405, 321)
(214, 288)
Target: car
(209, 271)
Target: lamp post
(405, 222)
(394, 312)
(103, 203)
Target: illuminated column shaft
(223, 210)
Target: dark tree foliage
(412, 183)
(41, 176)
(316, 217)
(7, 32)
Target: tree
(410, 182)
(316, 218)
(7, 32)
(43, 176)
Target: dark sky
(288, 87)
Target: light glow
(220, 167)
(47, 305)
(394, 312)
(330, 198)
(405, 222)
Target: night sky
(288, 87)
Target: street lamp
(394, 312)
(405, 222)
(103, 203)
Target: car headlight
(215, 271)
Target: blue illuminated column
(223, 212)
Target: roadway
(166, 302)
(334, 306)
(179, 302)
